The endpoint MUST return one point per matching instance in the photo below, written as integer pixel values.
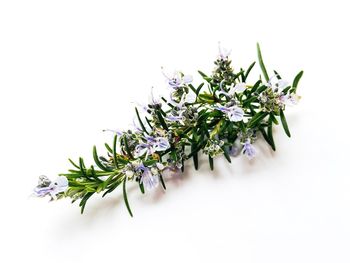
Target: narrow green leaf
(161, 120)
(111, 189)
(195, 160)
(97, 161)
(296, 81)
(249, 101)
(109, 149)
(226, 154)
(202, 74)
(206, 97)
(126, 197)
(284, 123)
(257, 118)
(278, 76)
(127, 147)
(270, 135)
(211, 163)
(93, 173)
(273, 118)
(264, 134)
(192, 88)
(141, 123)
(261, 63)
(256, 86)
(149, 123)
(84, 200)
(199, 88)
(75, 165)
(193, 148)
(82, 166)
(149, 162)
(114, 151)
(245, 76)
(162, 181)
(142, 188)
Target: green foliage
(209, 129)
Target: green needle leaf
(270, 135)
(141, 123)
(257, 118)
(126, 197)
(82, 166)
(97, 160)
(84, 200)
(245, 76)
(296, 81)
(267, 139)
(127, 148)
(161, 120)
(211, 163)
(142, 189)
(226, 154)
(284, 123)
(261, 63)
(162, 181)
(73, 163)
(114, 151)
(109, 149)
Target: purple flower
(149, 180)
(152, 145)
(234, 113)
(289, 99)
(173, 118)
(161, 144)
(46, 187)
(178, 79)
(223, 53)
(277, 84)
(117, 132)
(249, 150)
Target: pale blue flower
(178, 79)
(46, 187)
(223, 53)
(234, 113)
(233, 89)
(161, 144)
(117, 132)
(239, 87)
(289, 99)
(152, 145)
(149, 180)
(249, 150)
(277, 84)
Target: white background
(69, 69)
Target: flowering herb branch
(224, 118)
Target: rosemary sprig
(225, 118)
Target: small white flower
(249, 150)
(234, 113)
(277, 84)
(290, 99)
(53, 189)
(239, 87)
(149, 180)
(161, 144)
(223, 53)
(178, 79)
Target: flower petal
(236, 114)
